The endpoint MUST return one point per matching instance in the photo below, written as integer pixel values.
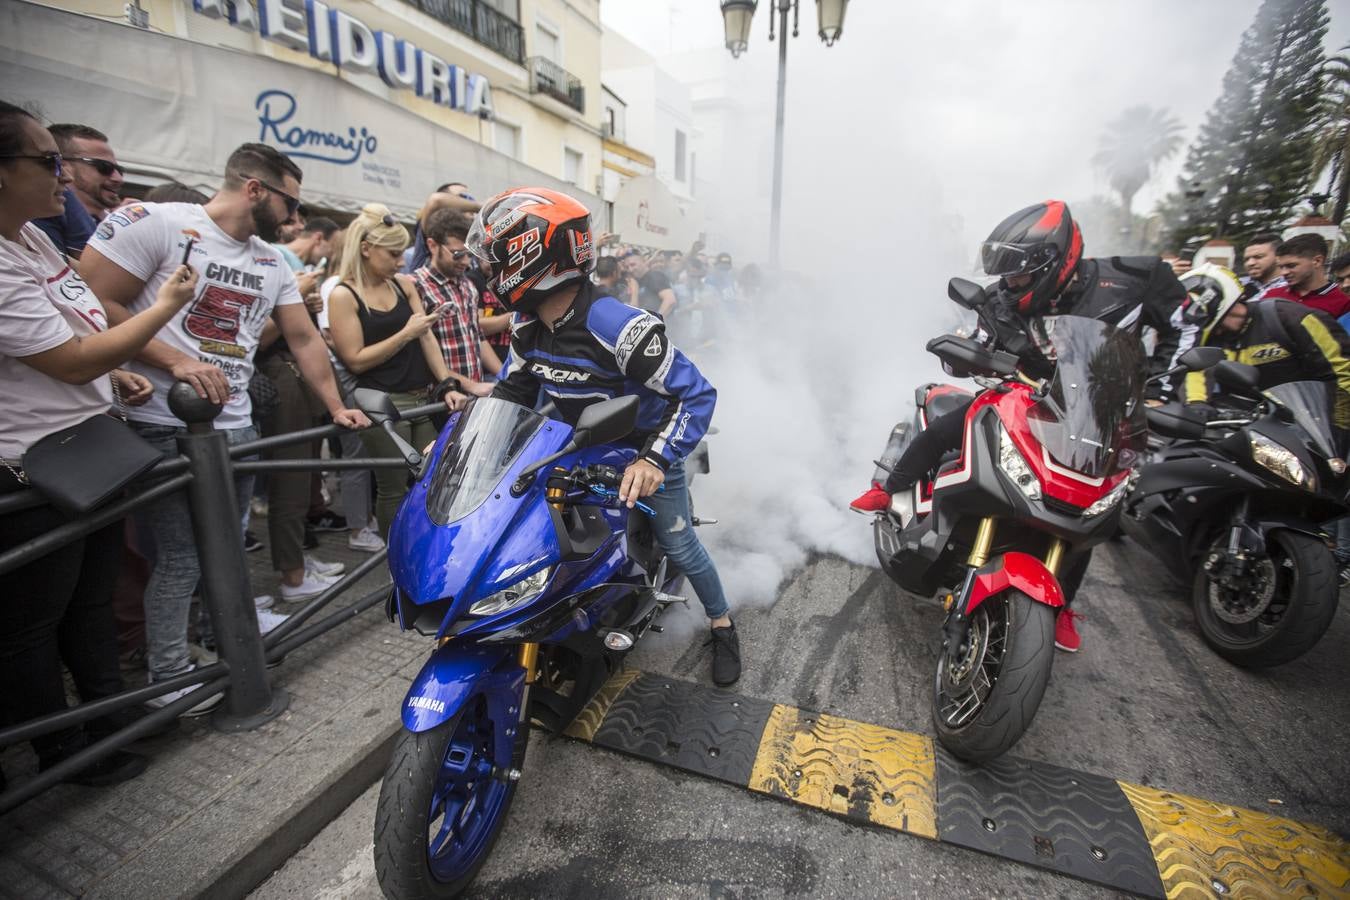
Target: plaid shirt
(457, 330)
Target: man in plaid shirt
(446, 290)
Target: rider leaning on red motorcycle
(1037, 253)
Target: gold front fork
(529, 660)
(1054, 556)
(984, 539)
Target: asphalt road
(1144, 701)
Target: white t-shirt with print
(43, 304)
(241, 282)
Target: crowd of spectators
(108, 296)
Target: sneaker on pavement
(365, 540)
(200, 709)
(269, 620)
(326, 569)
(726, 663)
(1345, 575)
(201, 656)
(1066, 635)
(312, 585)
(263, 602)
(251, 542)
(327, 521)
(875, 500)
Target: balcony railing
(547, 77)
(487, 26)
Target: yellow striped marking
(1205, 849)
(588, 720)
(849, 768)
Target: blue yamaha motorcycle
(514, 551)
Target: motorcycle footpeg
(667, 599)
(698, 521)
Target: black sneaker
(311, 539)
(251, 542)
(328, 521)
(726, 664)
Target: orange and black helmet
(536, 241)
(1042, 241)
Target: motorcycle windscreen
(484, 443)
(1091, 419)
(1310, 404)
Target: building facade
(376, 99)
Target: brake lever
(612, 495)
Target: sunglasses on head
(292, 203)
(102, 166)
(54, 160)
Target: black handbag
(83, 466)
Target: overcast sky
(998, 104)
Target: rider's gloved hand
(874, 500)
(1202, 412)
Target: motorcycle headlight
(521, 592)
(1111, 499)
(1281, 461)
(1015, 467)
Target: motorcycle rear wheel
(441, 810)
(1304, 600)
(984, 704)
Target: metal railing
(547, 77)
(489, 27)
(206, 469)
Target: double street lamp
(737, 15)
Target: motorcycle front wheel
(986, 694)
(443, 804)
(1278, 611)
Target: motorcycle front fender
(1015, 571)
(457, 672)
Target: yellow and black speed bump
(1073, 822)
(1125, 836)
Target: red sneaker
(874, 501)
(1066, 635)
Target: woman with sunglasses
(58, 360)
(382, 334)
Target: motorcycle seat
(936, 405)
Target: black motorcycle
(1237, 506)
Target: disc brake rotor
(1239, 601)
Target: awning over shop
(176, 108)
(647, 213)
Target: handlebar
(599, 481)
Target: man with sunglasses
(448, 292)
(1037, 255)
(98, 176)
(210, 344)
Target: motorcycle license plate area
(1129, 837)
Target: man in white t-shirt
(209, 344)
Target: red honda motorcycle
(1039, 477)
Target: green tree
(1331, 146)
(1248, 167)
(1131, 148)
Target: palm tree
(1132, 146)
(1331, 148)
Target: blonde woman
(383, 337)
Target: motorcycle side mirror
(1197, 359)
(599, 423)
(1238, 377)
(966, 293)
(604, 422)
(378, 405)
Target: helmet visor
(478, 243)
(1002, 259)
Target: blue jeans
(175, 573)
(674, 528)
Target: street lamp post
(737, 15)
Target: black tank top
(406, 370)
